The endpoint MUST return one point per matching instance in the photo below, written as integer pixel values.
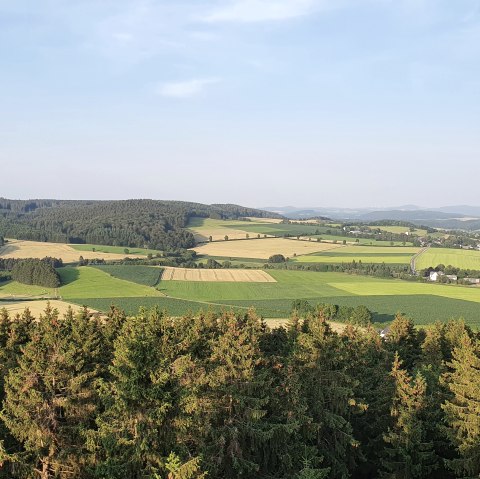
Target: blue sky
(257, 102)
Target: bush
(276, 258)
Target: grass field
(400, 230)
(365, 254)
(426, 303)
(113, 249)
(361, 241)
(37, 249)
(146, 275)
(460, 258)
(12, 288)
(87, 282)
(262, 248)
(308, 284)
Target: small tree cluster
(36, 271)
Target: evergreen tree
(462, 410)
(50, 397)
(236, 395)
(326, 397)
(403, 338)
(368, 362)
(138, 430)
(407, 454)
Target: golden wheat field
(38, 307)
(227, 275)
(262, 248)
(36, 249)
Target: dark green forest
(225, 397)
(132, 223)
(36, 271)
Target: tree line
(37, 272)
(130, 223)
(226, 397)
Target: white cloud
(245, 11)
(185, 89)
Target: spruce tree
(236, 396)
(137, 432)
(462, 410)
(403, 338)
(327, 398)
(50, 397)
(368, 363)
(407, 454)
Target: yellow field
(38, 307)
(36, 249)
(262, 248)
(224, 275)
(264, 220)
(203, 228)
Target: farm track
(415, 257)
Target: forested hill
(132, 223)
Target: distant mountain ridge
(448, 217)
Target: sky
(258, 102)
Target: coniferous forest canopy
(226, 397)
(133, 223)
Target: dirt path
(415, 257)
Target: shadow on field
(379, 318)
(68, 275)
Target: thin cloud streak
(249, 11)
(185, 89)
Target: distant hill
(132, 223)
(403, 215)
(462, 217)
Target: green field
(87, 282)
(400, 230)
(17, 289)
(113, 249)
(361, 241)
(146, 275)
(460, 258)
(425, 302)
(365, 254)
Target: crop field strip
(120, 250)
(36, 249)
(146, 275)
(366, 254)
(263, 248)
(305, 284)
(37, 307)
(217, 275)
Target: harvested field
(203, 228)
(36, 249)
(38, 307)
(263, 248)
(223, 275)
(264, 220)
